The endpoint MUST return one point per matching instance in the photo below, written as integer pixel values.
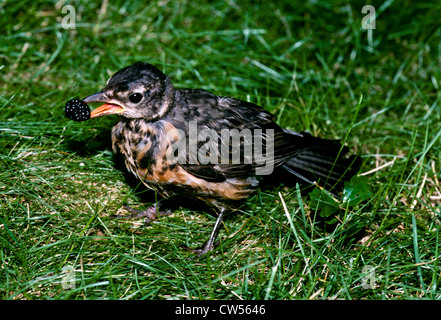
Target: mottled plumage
(154, 113)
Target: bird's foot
(150, 214)
(201, 251)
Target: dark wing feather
(206, 172)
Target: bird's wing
(247, 136)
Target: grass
(308, 63)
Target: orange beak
(110, 106)
(105, 109)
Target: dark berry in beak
(77, 110)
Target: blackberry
(77, 110)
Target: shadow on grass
(89, 143)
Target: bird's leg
(150, 214)
(211, 243)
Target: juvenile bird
(208, 148)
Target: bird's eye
(135, 97)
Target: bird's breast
(140, 142)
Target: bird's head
(137, 91)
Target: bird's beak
(110, 106)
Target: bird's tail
(322, 161)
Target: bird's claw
(202, 251)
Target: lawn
(311, 63)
